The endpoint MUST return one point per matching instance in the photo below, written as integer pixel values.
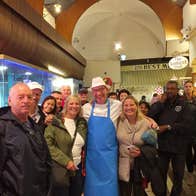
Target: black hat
(83, 90)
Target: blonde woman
(65, 140)
(132, 124)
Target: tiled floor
(188, 190)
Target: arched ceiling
(132, 23)
(169, 12)
(93, 26)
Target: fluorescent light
(3, 68)
(28, 73)
(58, 82)
(55, 70)
(123, 57)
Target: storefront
(146, 77)
(13, 71)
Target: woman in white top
(65, 140)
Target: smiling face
(72, 107)
(100, 94)
(48, 106)
(130, 108)
(20, 100)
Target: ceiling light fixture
(57, 8)
(28, 73)
(3, 68)
(55, 70)
(123, 57)
(117, 46)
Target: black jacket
(4, 110)
(192, 112)
(147, 164)
(25, 162)
(176, 114)
(41, 121)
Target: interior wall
(189, 15)
(102, 68)
(177, 47)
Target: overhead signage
(145, 67)
(178, 62)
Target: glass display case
(13, 71)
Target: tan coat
(129, 134)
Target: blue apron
(101, 158)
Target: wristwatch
(169, 127)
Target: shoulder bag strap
(74, 137)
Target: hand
(162, 128)
(49, 119)
(70, 166)
(134, 152)
(151, 123)
(163, 98)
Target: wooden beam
(192, 1)
(37, 5)
(170, 15)
(66, 21)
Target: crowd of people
(109, 145)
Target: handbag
(150, 137)
(60, 172)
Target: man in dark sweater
(172, 115)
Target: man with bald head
(24, 159)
